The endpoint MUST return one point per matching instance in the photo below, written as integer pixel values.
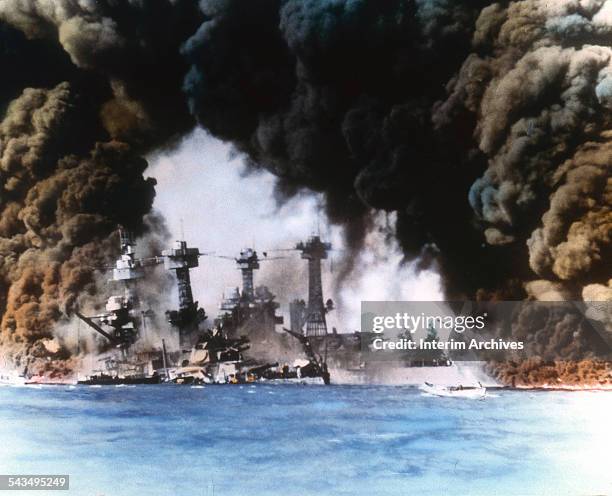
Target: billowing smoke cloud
(338, 97)
(539, 84)
(58, 211)
(83, 96)
(484, 125)
(127, 54)
(575, 240)
(541, 89)
(456, 115)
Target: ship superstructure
(123, 317)
(245, 343)
(124, 324)
(252, 310)
(187, 319)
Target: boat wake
(469, 392)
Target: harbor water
(291, 440)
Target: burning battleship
(242, 345)
(246, 342)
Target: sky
(205, 191)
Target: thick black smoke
(87, 88)
(486, 126)
(457, 115)
(338, 96)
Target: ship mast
(248, 261)
(314, 250)
(181, 259)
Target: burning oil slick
(484, 125)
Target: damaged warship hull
(244, 344)
(109, 380)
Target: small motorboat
(472, 392)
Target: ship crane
(90, 322)
(314, 358)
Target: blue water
(285, 440)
